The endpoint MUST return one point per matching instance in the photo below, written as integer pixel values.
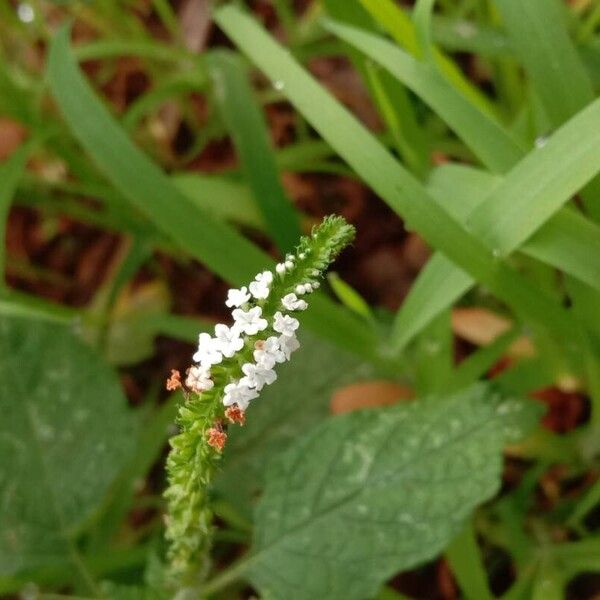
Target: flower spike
(232, 367)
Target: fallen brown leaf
(368, 394)
(11, 136)
(481, 327)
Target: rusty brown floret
(174, 381)
(216, 438)
(236, 415)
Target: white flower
(301, 256)
(316, 285)
(300, 289)
(260, 287)
(208, 352)
(280, 268)
(250, 321)
(289, 265)
(237, 297)
(259, 290)
(240, 394)
(268, 353)
(198, 379)
(256, 376)
(288, 344)
(285, 324)
(229, 339)
(291, 302)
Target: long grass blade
(386, 176)
(495, 147)
(247, 127)
(150, 191)
(11, 172)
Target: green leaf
(537, 31)
(139, 180)
(349, 296)
(565, 241)
(223, 197)
(149, 190)
(482, 360)
(300, 400)
(399, 25)
(390, 96)
(246, 125)
(496, 148)
(467, 565)
(11, 172)
(533, 191)
(128, 339)
(64, 434)
(371, 493)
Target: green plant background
(310, 505)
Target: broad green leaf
(10, 173)
(300, 400)
(388, 178)
(64, 434)
(247, 127)
(370, 493)
(496, 148)
(149, 190)
(153, 435)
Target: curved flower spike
(232, 369)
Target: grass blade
(387, 177)
(527, 197)
(481, 361)
(246, 126)
(537, 32)
(495, 147)
(150, 191)
(565, 241)
(390, 96)
(465, 561)
(400, 26)
(138, 179)
(11, 172)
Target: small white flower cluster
(279, 343)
